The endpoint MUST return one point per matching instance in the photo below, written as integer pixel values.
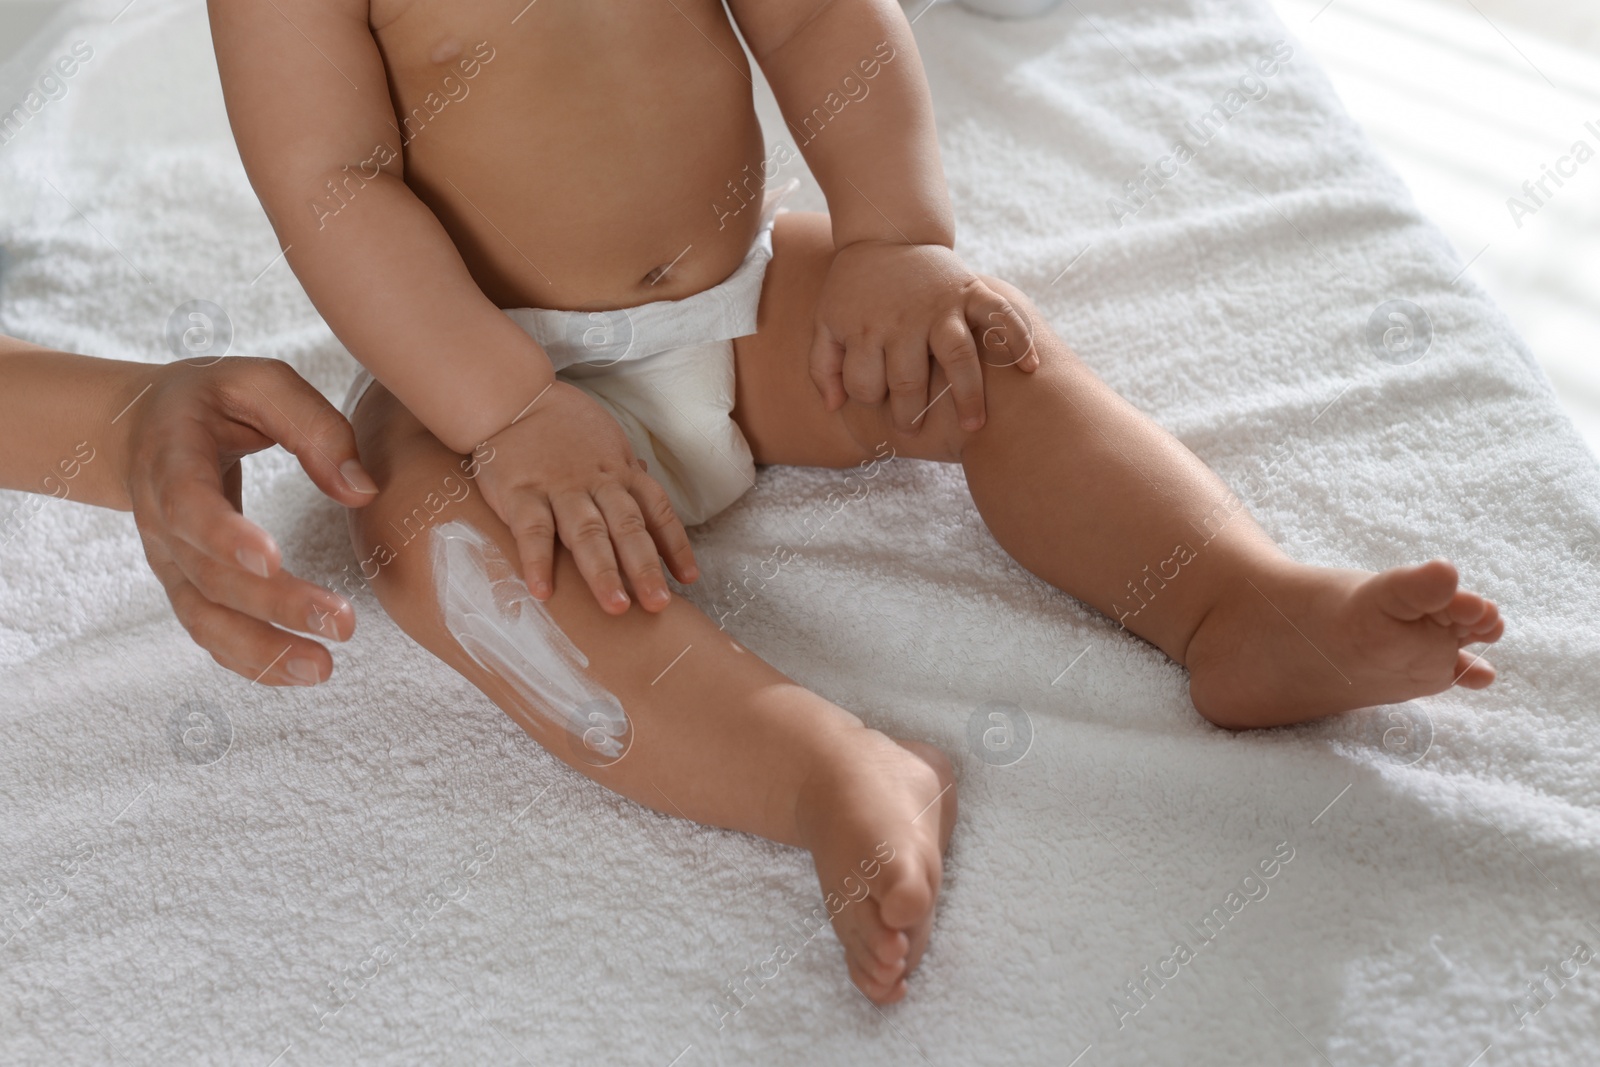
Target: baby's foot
(1302, 642)
(877, 820)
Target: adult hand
(222, 572)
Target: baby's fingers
(827, 365)
(1005, 335)
(906, 368)
(671, 539)
(630, 536)
(957, 353)
(535, 530)
(587, 535)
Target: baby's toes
(872, 948)
(918, 936)
(883, 952)
(877, 991)
(1489, 627)
(1472, 671)
(1426, 590)
(1467, 609)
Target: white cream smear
(497, 622)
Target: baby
(545, 232)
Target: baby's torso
(576, 152)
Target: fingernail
(619, 598)
(303, 671)
(356, 477)
(971, 424)
(323, 617)
(540, 590)
(252, 561)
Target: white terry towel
(216, 868)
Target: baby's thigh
(778, 407)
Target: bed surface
(225, 857)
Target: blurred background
(1468, 99)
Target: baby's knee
(421, 486)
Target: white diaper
(664, 371)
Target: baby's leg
(717, 735)
(1094, 497)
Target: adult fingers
(179, 495)
(906, 369)
(267, 395)
(283, 600)
(957, 353)
(533, 525)
(635, 548)
(249, 647)
(584, 531)
(827, 365)
(671, 539)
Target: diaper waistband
(720, 313)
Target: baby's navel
(445, 50)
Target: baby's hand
(884, 307)
(566, 469)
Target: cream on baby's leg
(704, 728)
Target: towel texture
(386, 870)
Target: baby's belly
(593, 154)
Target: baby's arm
(882, 140)
(386, 276)
(395, 290)
(847, 75)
